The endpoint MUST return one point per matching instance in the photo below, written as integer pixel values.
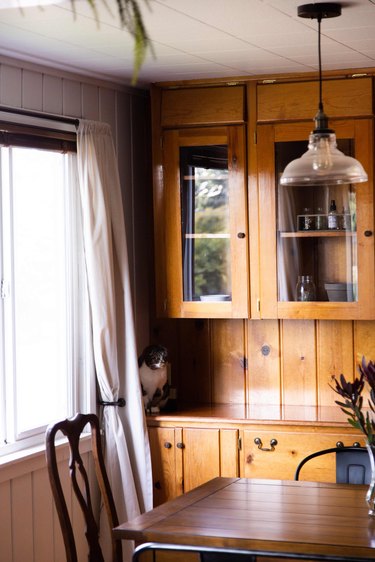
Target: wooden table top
(269, 515)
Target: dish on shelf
(339, 292)
(214, 298)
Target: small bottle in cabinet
(333, 219)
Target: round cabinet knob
(356, 444)
(180, 446)
(157, 485)
(339, 444)
(167, 445)
(368, 233)
(241, 235)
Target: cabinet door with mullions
(316, 242)
(206, 222)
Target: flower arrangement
(352, 405)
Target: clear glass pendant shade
(323, 164)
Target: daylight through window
(42, 290)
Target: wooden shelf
(208, 235)
(318, 234)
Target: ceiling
(192, 39)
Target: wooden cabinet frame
(169, 198)
(186, 457)
(361, 130)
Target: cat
(153, 375)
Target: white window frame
(82, 383)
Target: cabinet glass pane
(316, 235)
(205, 223)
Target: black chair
(227, 554)
(352, 464)
(72, 429)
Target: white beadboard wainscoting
(29, 525)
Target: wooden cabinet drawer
(280, 461)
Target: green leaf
(344, 404)
(130, 17)
(347, 412)
(354, 423)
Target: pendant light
(323, 163)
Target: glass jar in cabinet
(320, 233)
(205, 223)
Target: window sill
(14, 465)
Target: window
(43, 298)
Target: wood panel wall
(262, 362)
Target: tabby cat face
(155, 356)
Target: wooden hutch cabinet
(201, 205)
(252, 365)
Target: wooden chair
(352, 464)
(72, 429)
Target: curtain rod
(40, 115)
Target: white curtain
(126, 441)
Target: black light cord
(320, 64)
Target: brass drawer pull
(258, 441)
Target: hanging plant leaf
(131, 19)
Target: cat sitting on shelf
(153, 375)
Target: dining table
(270, 516)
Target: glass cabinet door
(205, 223)
(316, 235)
(323, 239)
(206, 226)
